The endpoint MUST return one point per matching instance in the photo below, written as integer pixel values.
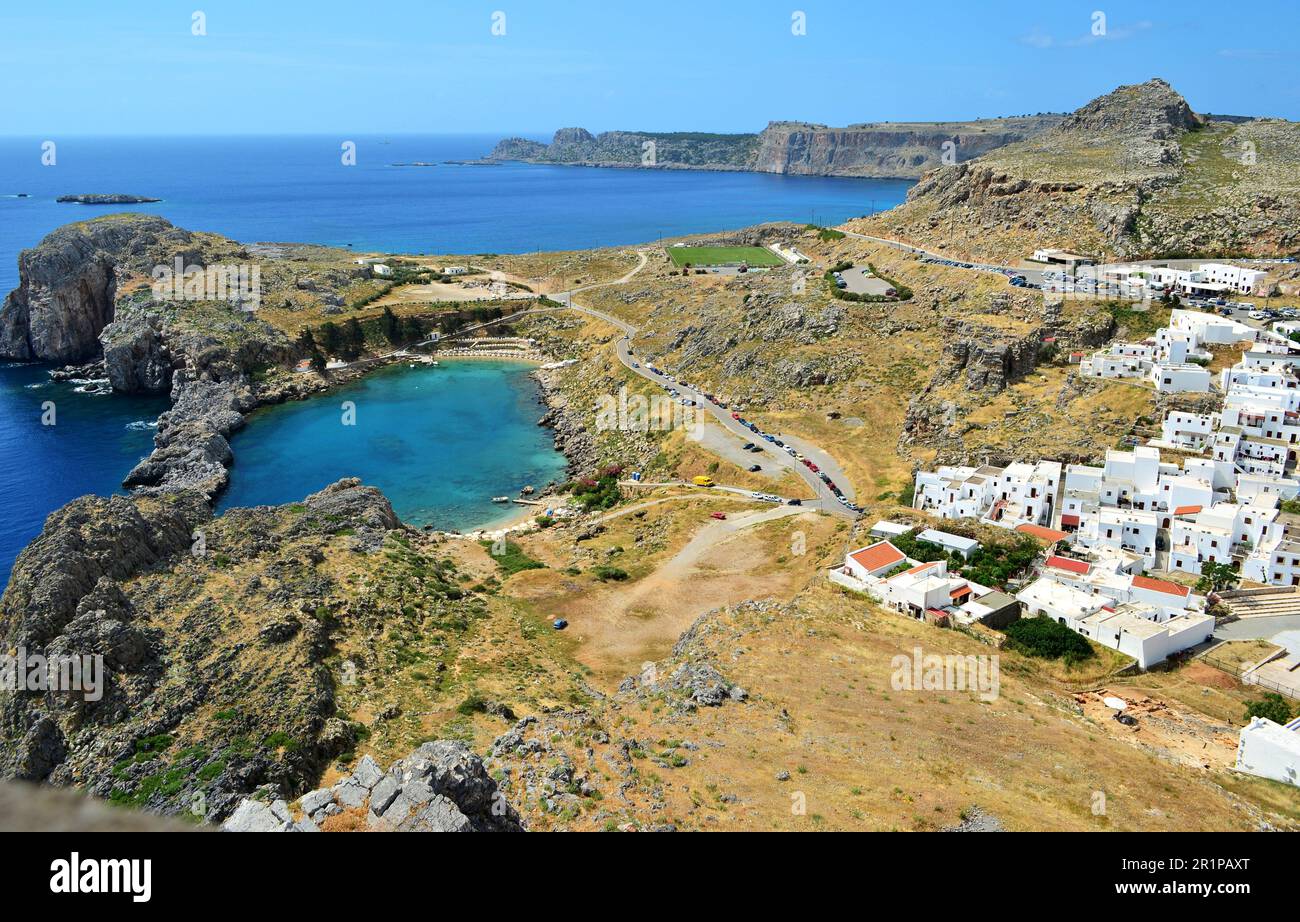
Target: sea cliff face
(884, 151)
(901, 151)
(68, 285)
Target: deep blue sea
(297, 189)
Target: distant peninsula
(884, 150)
(106, 198)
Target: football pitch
(724, 256)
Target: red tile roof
(1048, 535)
(960, 591)
(1067, 519)
(924, 566)
(1160, 585)
(878, 556)
(1064, 563)
(1187, 510)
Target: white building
(953, 544)
(873, 561)
(1017, 494)
(918, 590)
(956, 492)
(1180, 378)
(1148, 619)
(1275, 562)
(1270, 750)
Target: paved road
(1257, 628)
(825, 499)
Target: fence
(1239, 670)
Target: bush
(994, 563)
(512, 558)
(599, 492)
(1046, 639)
(1272, 706)
(606, 574)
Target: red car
(735, 416)
(718, 515)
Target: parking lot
(860, 281)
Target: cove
(439, 441)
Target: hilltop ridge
(1134, 173)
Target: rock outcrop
(200, 703)
(136, 357)
(68, 285)
(1134, 173)
(441, 787)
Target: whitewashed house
(1144, 618)
(1024, 494)
(1180, 378)
(1187, 431)
(956, 492)
(1270, 750)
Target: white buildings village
(1110, 525)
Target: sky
(531, 66)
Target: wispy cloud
(1255, 54)
(1037, 38)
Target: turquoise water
(440, 442)
(93, 443)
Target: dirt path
(619, 626)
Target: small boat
(500, 499)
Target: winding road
(825, 501)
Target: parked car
(754, 468)
(795, 502)
(718, 515)
(559, 624)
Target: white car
(1257, 315)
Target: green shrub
(606, 574)
(1047, 639)
(1272, 706)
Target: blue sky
(274, 66)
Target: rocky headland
(881, 150)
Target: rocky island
(103, 198)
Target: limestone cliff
(68, 284)
(903, 150)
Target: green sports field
(724, 256)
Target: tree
(331, 337)
(354, 339)
(1215, 577)
(412, 329)
(1272, 706)
(391, 326)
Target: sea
(365, 193)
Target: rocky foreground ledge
(441, 787)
